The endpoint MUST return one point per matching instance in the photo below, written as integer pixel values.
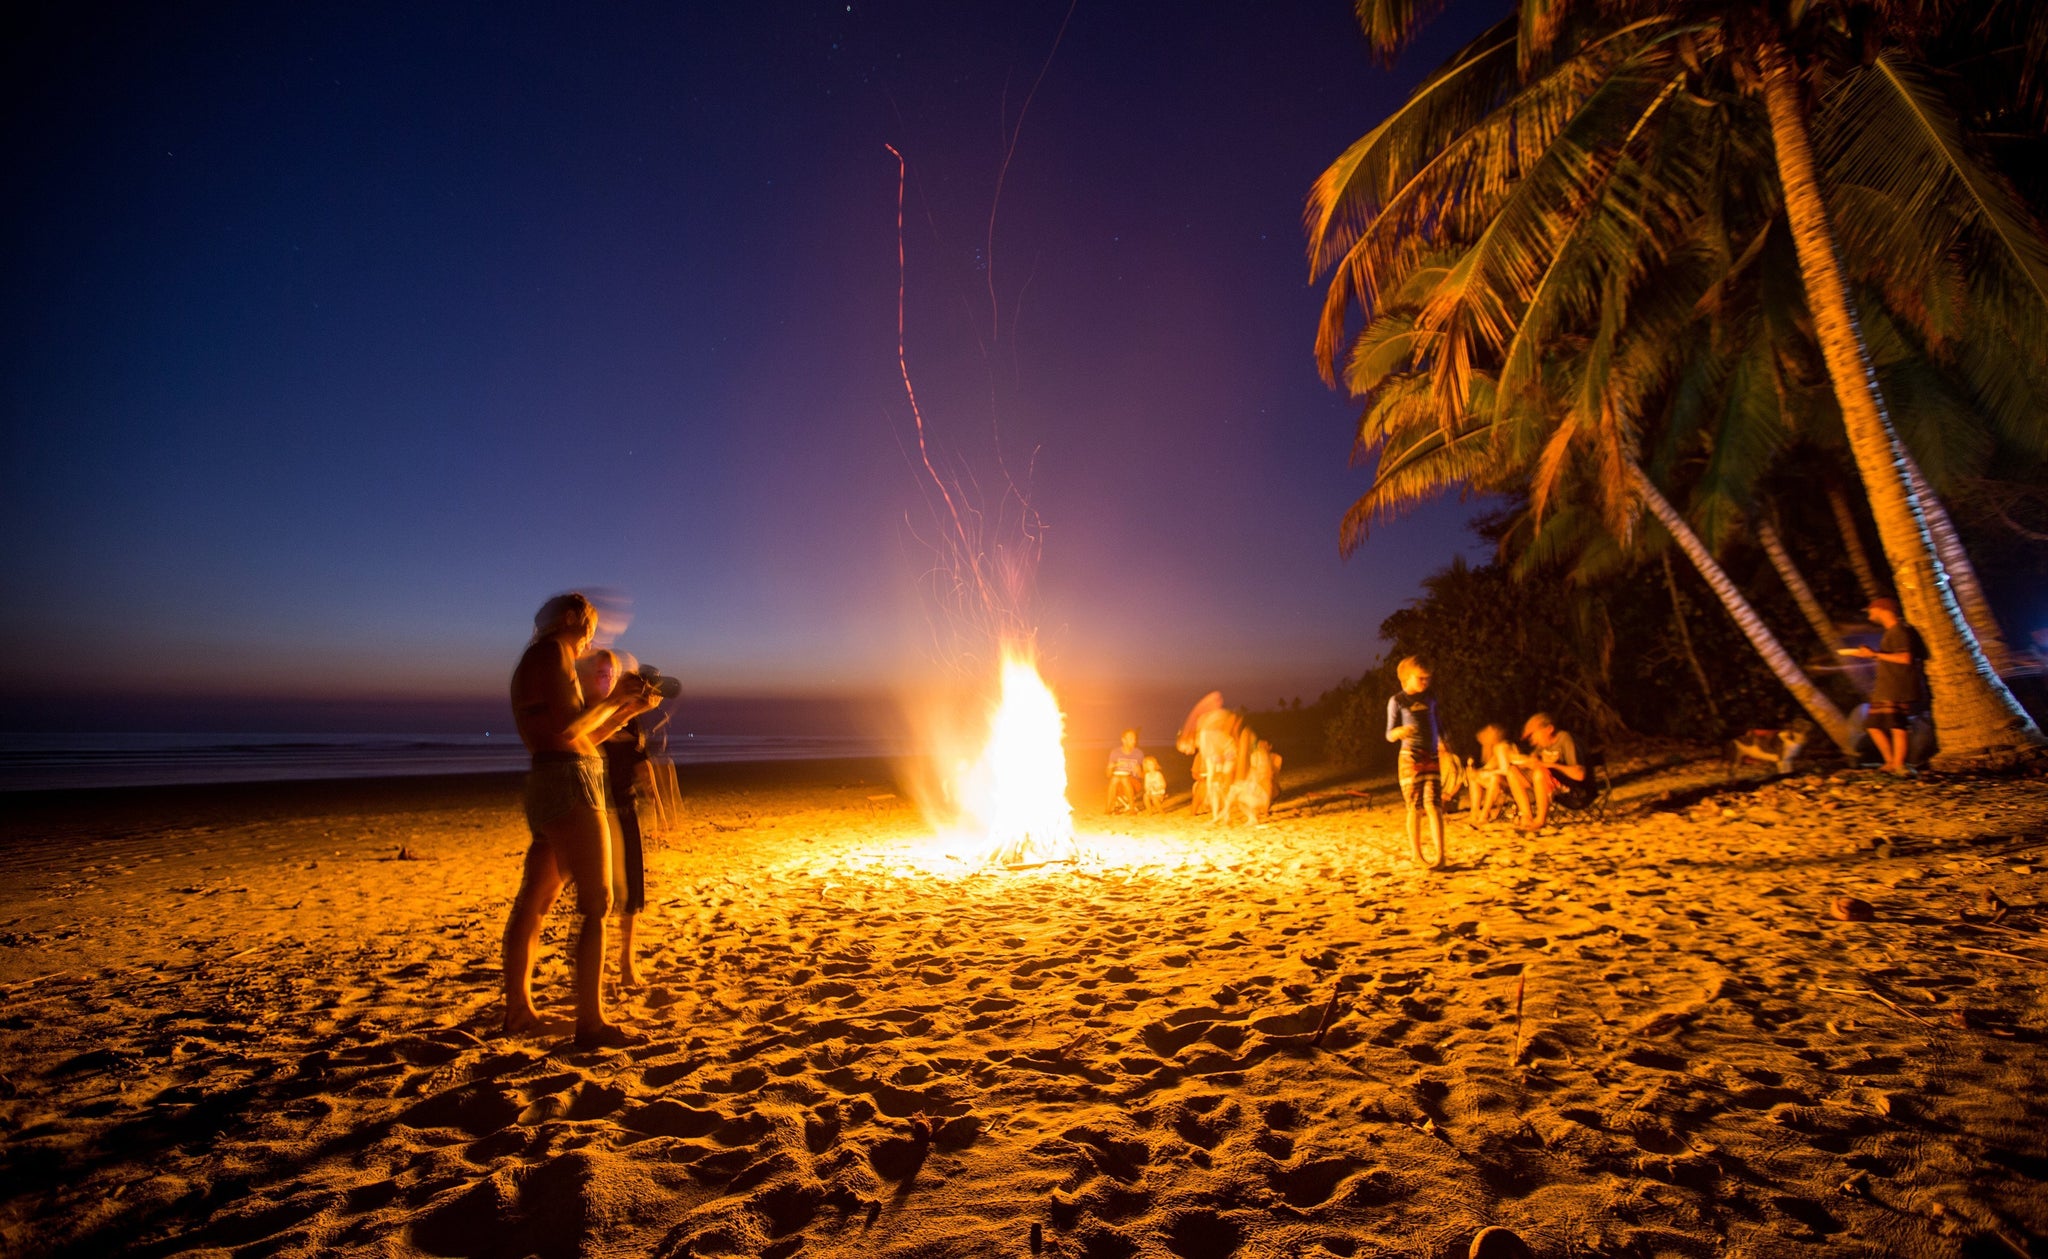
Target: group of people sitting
(1551, 772)
(1234, 771)
(1136, 782)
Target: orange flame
(1016, 793)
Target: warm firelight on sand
(1015, 794)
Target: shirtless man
(565, 809)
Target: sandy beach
(233, 1021)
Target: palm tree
(1579, 448)
(1568, 143)
(1975, 712)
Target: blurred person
(1155, 786)
(565, 810)
(1487, 778)
(1898, 693)
(626, 772)
(1253, 793)
(1221, 746)
(1126, 775)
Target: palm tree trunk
(1795, 581)
(1817, 705)
(1977, 717)
(1962, 574)
(1852, 543)
(1685, 638)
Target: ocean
(48, 761)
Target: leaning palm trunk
(1852, 544)
(1795, 581)
(1962, 574)
(1818, 705)
(1977, 716)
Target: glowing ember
(1016, 794)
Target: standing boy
(1412, 722)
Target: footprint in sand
(744, 1080)
(1203, 1234)
(663, 1074)
(478, 1109)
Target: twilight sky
(337, 336)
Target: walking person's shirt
(1899, 683)
(1416, 712)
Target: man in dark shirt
(1898, 693)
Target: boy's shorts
(1421, 781)
(1890, 716)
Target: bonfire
(1014, 796)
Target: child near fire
(1412, 722)
(1155, 786)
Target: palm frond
(1889, 127)
(1441, 167)
(1430, 464)
(1351, 191)
(1389, 25)
(1750, 433)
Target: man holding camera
(565, 809)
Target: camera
(660, 683)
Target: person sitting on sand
(1155, 786)
(565, 809)
(625, 766)
(1126, 775)
(1552, 772)
(1412, 722)
(1489, 774)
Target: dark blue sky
(337, 336)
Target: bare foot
(521, 1022)
(629, 976)
(607, 1036)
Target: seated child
(1488, 776)
(1155, 786)
(1126, 774)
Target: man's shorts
(1890, 716)
(1421, 781)
(1572, 793)
(556, 789)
